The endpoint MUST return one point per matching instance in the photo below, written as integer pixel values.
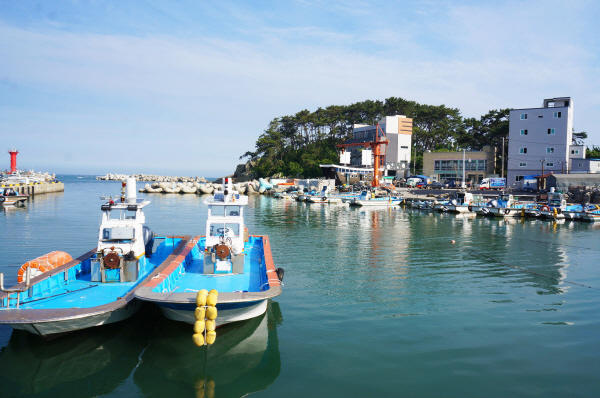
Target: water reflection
(244, 359)
(88, 363)
(159, 353)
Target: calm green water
(375, 303)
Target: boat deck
(83, 293)
(250, 281)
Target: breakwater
(37, 188)
(151, 178)
(200, 188)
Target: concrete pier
(35, 189)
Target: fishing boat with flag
(58, 294)
(227, 259)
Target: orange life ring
(545, 208)
(43, 263)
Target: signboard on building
(367, 157)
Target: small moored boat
(9, 197)
(95, 288)
(239, 266)
(367, 198)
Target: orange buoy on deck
(43, 263)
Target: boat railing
(17, 290)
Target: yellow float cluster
(205, 314)
(205, 388)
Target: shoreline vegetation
(295, 145)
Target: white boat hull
(79, 323)
(223, 317)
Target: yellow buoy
(211, 337)
(200, 393)
(211, 313)
(213, 291)
(210, 383)
(203, 291)
(200, 313)
(211, 299)
(199, 326)
(210, 326)
(198, 339)
(199, 384)
(201, 299)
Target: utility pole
(542, 176)
(463, 182)
(502, 164)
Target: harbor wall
(37, 188)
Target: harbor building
(540, 141)
(356, 164)
(440, 166)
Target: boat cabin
(225, 232)
(123, 240)
(461, 198)
(557, 200)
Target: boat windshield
(123, 214)
(224, 229)
(225, 211)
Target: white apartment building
(398, 131)
(541, 136)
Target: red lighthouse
(13, 159)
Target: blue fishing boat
(553, 208)
(367, 198)
(583, 212)
(504, 205)
(95, 288)
(459, 203)
(239, 266)
(8, 197)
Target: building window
(523, 116)
(574, 151)
(404, 147)
(518, 178)
(580, 164)
(522, 150)
(549, 150)
(522, 164)
(557, 114)
(523, 132)
(549, 164)
(550, 131)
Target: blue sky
(185, 88)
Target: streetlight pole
(502, 163)
(463, 182)
(562, 166)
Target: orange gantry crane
(375, 146)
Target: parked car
(436, 185)
(421, 184)
(450, 183)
